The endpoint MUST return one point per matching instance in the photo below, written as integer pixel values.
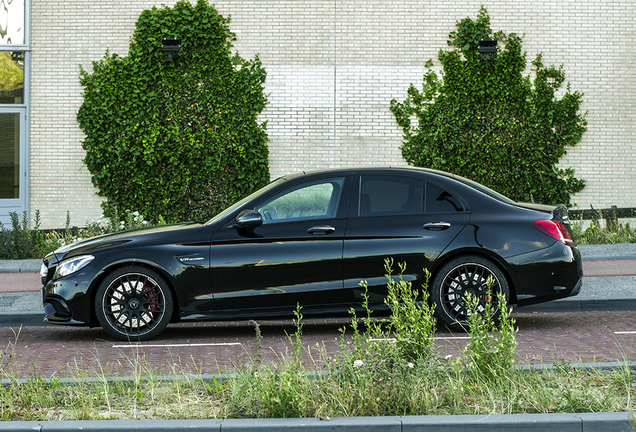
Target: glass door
(13, 163)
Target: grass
(285, 389)
(380, 368)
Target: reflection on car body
(310, 239)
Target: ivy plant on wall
(179, 138)
(483, 119)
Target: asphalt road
(210, 348)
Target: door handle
(437, 226)
(321, 229)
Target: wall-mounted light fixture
(171, 47)
(488, 48)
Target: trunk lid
(558, 212)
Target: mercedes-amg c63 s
(309, 239)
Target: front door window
(313, 201)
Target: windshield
(238, 204)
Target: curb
(35, 319)
(581, 305)
(23, 318)
(586, 422)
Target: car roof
(346, 170)
(396, 169)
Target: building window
(14, 108)
(9, 155)
(12, 22)
(11, 77)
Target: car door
(404, 218)
(294, 257)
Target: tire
(466, 275)
(133, 303)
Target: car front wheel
(473, 276)
(133, 303)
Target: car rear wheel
(467, 276)
(133, 303)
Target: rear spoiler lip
(559, 211)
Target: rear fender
(482, 252)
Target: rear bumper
(547, 274)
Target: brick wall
(333, 68)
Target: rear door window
(390, 195)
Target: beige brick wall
(333, 67)
(64, 35)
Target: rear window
(481, 188)
(439, 200)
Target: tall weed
(18, 241)
(609, 233)
(411, 322)
(491, 348)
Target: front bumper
(57, 311)
(67, 300)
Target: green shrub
(485, 121)
(175, 138)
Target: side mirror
(249, 219)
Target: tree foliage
(175, 138)
(485, 120)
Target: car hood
(160, 233)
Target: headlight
(72, 265)
(44, 272)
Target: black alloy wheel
(467, 276)
(133, 303)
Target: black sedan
(310, 239)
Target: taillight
(555, 230)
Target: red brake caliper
(150, 295)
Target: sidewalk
(609, 284)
